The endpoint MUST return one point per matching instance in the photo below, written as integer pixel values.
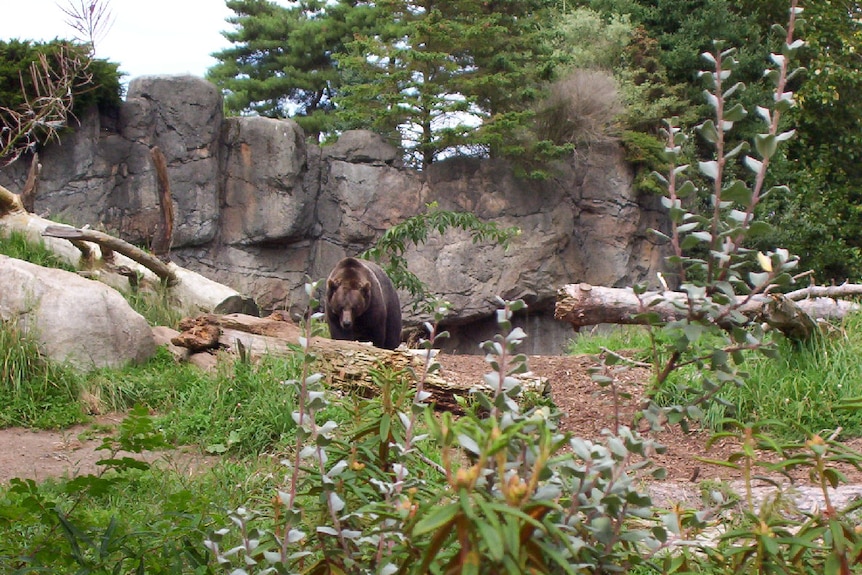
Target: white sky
(147, 36)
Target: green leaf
(693, 332)
(686, 189)
(753, 164)
(708, 131)
(492, 540)
(709, 169)
(438, 518)
(758, 278)
(385, 422)
(766, 145)
(739, 192)
(736, 113)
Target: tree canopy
(436, 75)
(282, 60)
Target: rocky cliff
(260, 209)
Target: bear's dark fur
(362, 304)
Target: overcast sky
(147, 36)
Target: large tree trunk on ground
(794, 313)
(348, 365)
(120, 264)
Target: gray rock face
(263, 200)
(259, 209)
(78, 321)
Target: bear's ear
(366, 290)
(331, 286)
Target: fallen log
(120, 264)
(110, 244)
(347, 365)
(795, 314)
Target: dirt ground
(588, 410)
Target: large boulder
(263, 200)
(75, 320)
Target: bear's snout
(347, 319)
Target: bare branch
(91, 19)
(134, 253)
(45, 111)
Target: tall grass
(244, 409)
(802, 388)
(618, 338)
(33, 391)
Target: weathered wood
(347, 365)
(10, 203)
(134, 253)
(583, 305)
(164, 233)
(843, 290)
(107, 261)
(31, 186)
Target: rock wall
(260, 209)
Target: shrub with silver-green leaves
(511, 494)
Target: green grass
(243, 409)
(806, 386)
(156, 519)
(150, 520)
(155, 306)
(35, 392)
(617, 338)
(18, 246)
(803, 388)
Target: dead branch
(115, 244)
(163, 236)
(31, 186)
(844, 290)
(46, 111)
(10, 203)
(90, 19)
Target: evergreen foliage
(282, 63)
(16, 82)
(822, 221)
(448, 76)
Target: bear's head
(348, 297)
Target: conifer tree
(281, 62)
(444, 75)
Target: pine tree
(281, 63)
(446, 75)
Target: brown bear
(362, 304)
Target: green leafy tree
(444, 76)
(282, 62)
(822, 222)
